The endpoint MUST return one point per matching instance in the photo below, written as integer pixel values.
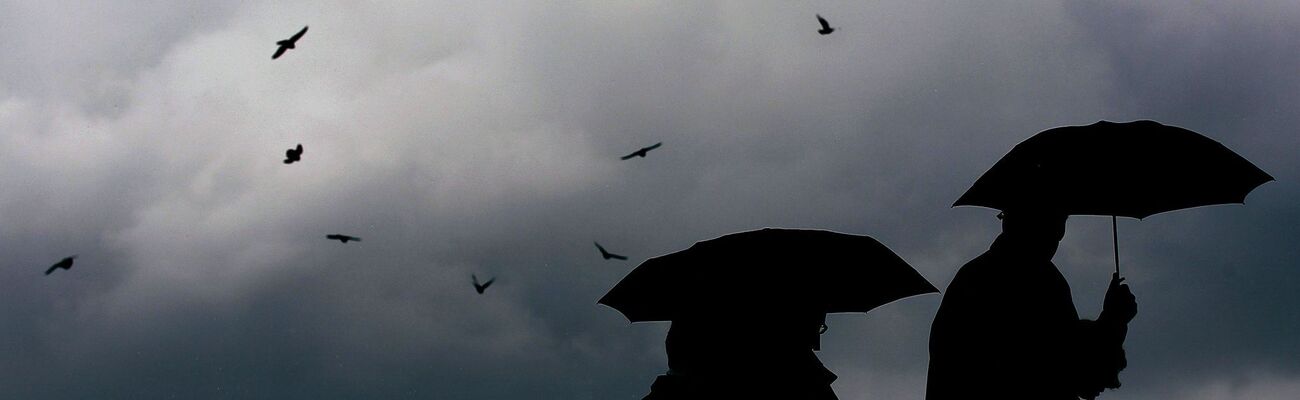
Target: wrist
(1110, 319)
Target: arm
(1119, 307)
(1101, 342)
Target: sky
(461, 138)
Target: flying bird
(287, 44)
(481, 287)
(293, 155)
(826, 26)
(641, 153)
(342, 238)
(607, 255)
(65, 263)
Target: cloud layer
(471, 138)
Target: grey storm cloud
(484, 138)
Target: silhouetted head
(1033, 228)
(1037, 223)
(732, 343)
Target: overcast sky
(483, 138)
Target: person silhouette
(744, 355)
(1007, 326)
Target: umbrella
(1132, 169)
(767, 271)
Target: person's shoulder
(986, 265)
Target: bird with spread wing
(65, 263)
(480, 287)
(289, 43)
(607, 255)
(826, 26)
(342, 238)
(641, 153)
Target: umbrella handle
(1114, 233)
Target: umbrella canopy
(767, 272)
(1132, 169)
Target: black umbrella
(767, 272)
(1132, 169)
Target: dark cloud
(1216, 280)
(485, 139)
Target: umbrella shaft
(1114, 234)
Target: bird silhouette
(65, 263)
(342, 238)
(293, 155)
(287, 44)
(607, 255)
(481, 287)
(641, 153)
(826, 26)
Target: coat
(1007, 328)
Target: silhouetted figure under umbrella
(642, 152)
(342, 238)
(293, 155)
(285, 45)
(1008, 328)
(65, 263)
(747, 309)
(1010, 309)
(607, 255)
(483, 286)
(826, 26)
